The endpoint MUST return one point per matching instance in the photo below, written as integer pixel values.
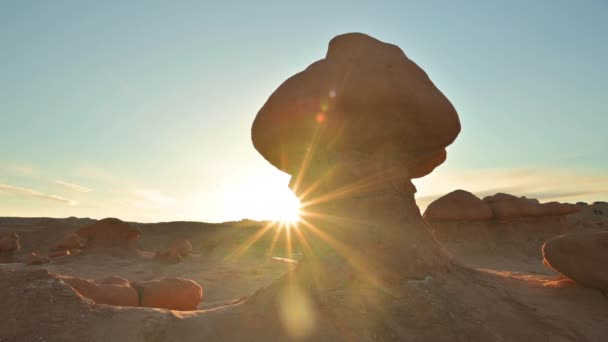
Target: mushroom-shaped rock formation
(169, 293)
(581, 257)
(352, 130)
(109, 233)
(458, 205)
(112, 290)
(364, 100)
(9, 243)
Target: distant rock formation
(582, 257)
(461, 205)
(70, 241)
(458, 205)
(509, 206)
(109, 233)
(178, 249)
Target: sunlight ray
(247, 244)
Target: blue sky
(142, 110)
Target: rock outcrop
(112, 290)
(9, 244)
(458, 205)
(109, 233)
(581, 257)
(169, 293)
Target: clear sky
(142, 109)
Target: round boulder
(169, 293)
(581, 257)
(458, 205)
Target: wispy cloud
(35, 193)
(73, 186)
(151, 199)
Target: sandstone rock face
(112, 290)
(458, 205)
(35, 259)
(169, 293)
(581, 257)
(109, 232)
(70, 241)
(366, 97)
(9, 243)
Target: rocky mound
(506, 206)
(581, 257)
(458, 205)
(109, 233)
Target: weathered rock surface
(582, 257)
(458, 205)
(35, 259)
(109, 233)
(182, 247)
(112, 290)
(169, 293)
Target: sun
(287, 210)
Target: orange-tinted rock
(458, 205)
(582, 257)
(363, 96)
(9, 243)
(181, 247)
(558, 209)
(109, 232)
(35, 259)
(58, 254)
(112, 290)
(70, 241)
(169, 293)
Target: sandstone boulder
(581, 257)
(9, 243)
(458, 205)
(109, 232)
(112, 290)
(35, 259)
(169, 293)
(365, 96)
